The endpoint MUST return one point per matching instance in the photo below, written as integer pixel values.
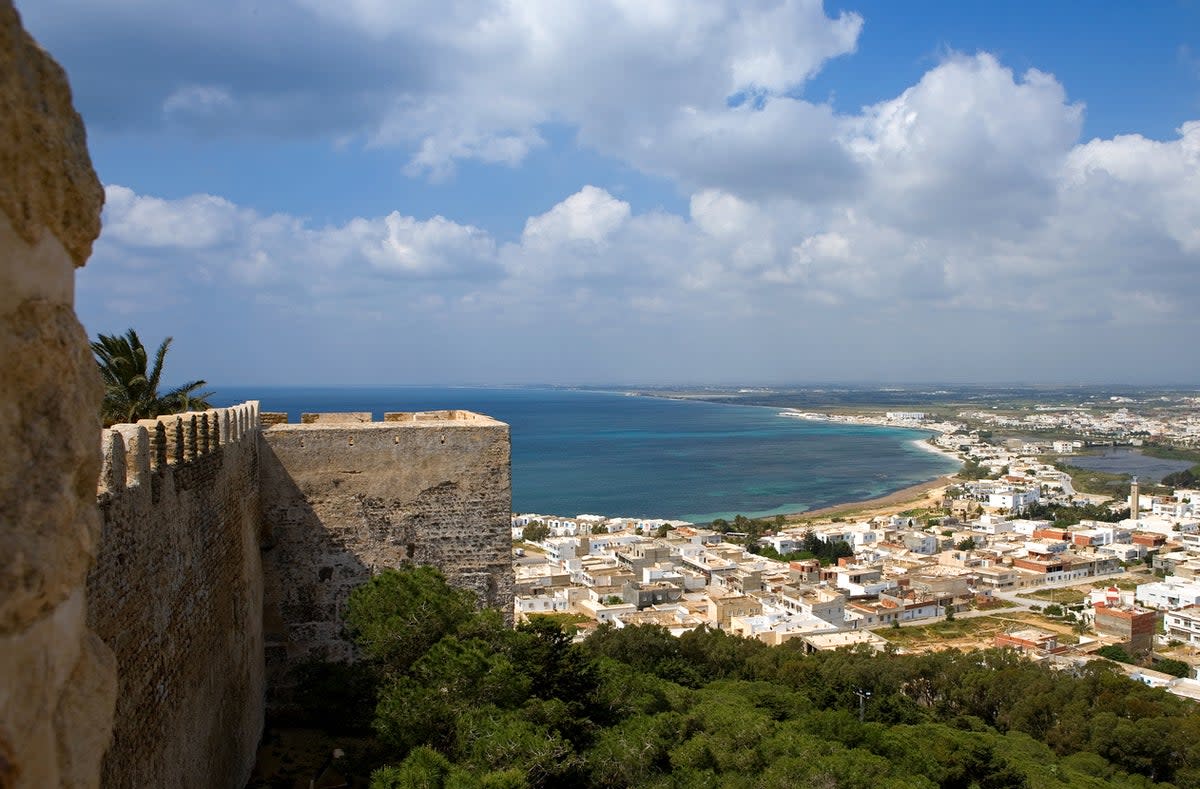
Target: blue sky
(686, 191)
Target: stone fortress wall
(230, 543)
(343, 497)
(176, 593)
(147, 593)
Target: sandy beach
(903, 499)
(927, 447)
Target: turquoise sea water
(610, 454)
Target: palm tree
(130, 392)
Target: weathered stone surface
(177, 593)
(57, 681)
(49, 186)
(48, 424)
(341, 501)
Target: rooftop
(276, 420)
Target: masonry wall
(343, 497)
(57, 678)
(176, 593)
(1136, 627)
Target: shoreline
(947, 453)
(911, 494)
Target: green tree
(967, 544)
(1114, 652)
(1176, 668)
(131, 383)
(535, 531)
(398, 615)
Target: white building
(555, 602)
(1171, 593)
(990, 524)
(1014, 500)
(1184, 624)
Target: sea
(618, 454)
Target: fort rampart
(150, 595)
(176, 593)
(343, 497)
(230, 543)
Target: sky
(632, 192)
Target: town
(1006, 553)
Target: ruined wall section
(344, 498)
(176, 592)
(57, 679)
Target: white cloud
(963, 209)
(204, 234)
(469, 80)
(590, 214)
(195, 222)
(968, 145)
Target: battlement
(273, 419)
(132, 452)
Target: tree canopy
(131, 383)
(468, 702)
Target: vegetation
(1101, 483)
(1064, 596)
(1176, 668)
(747, 530)
(535, 531)
(972, 470)
(811, 547)
(1065, 515)
(464, 701)
(131, 384)
(1114, 652)
(567, 621)
(1188, 478)
(1171, 452)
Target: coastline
(910, 495)
(927, 447)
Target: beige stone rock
(57, 679)
(48, 429)
(48, 182)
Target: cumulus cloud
(1116, 243)
(651, 83)
(208, 236)
(964, 208)
(969, 144)
(590, 215)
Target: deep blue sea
(610, 454)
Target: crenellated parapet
(230, 543)
(132, 452)
(176, 593)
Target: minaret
(1134, 503)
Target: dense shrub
(468, 702)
